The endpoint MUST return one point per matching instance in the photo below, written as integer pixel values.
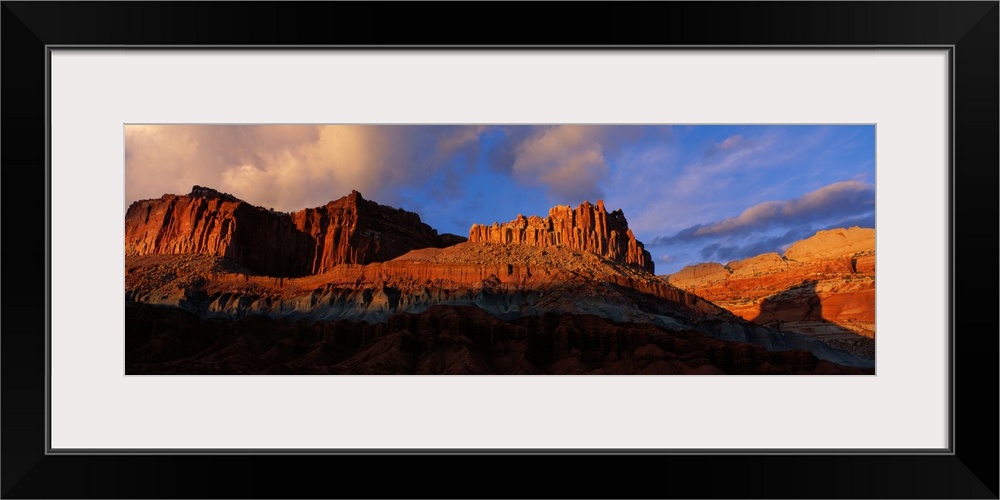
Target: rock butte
(589, 228)
(350, 230)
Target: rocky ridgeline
(836, 251)
(350, 230)
(823, 285)
(507, 280)
(588, 228)
(833, 244)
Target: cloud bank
(571, 162)
(770, 226)
(288, 167)
(840, 199)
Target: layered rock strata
(588, 228)
(822, 286)
(350, 230)
(506, 281)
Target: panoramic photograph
(499, 249)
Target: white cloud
(837, 199)
(567, 159)
(288, 167)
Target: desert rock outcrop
(350, 230)
(823, 286)
(589, 228)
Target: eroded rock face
(506, 280)
(353, 230)
(350, 230)
(211, 223)
(588, 228)
(823, 286)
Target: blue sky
(690, 193)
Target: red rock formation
(421, 277)
(211, 223)
(351, 230)
(824, 285)
(588, 228)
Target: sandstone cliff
(823, 286)
(353, 230)
(589, 228)
(350, 230)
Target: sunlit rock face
(350, 230)
(822, 286)
(589, 228)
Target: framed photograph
(341, 248)
(362, 288)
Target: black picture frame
(969, 28)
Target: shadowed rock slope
(457, 340)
